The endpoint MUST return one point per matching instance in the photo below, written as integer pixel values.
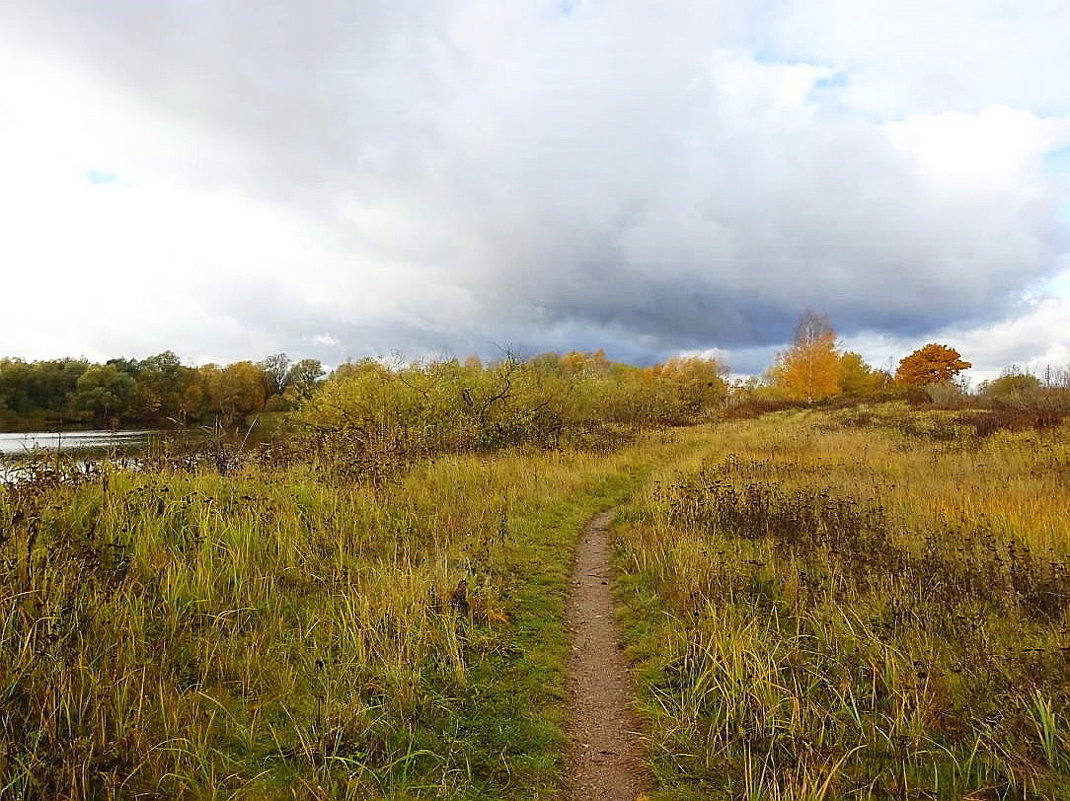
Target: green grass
(859, 604)
(824, 607)
(278, 633)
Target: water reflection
(24, 453)
(36, 441)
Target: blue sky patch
(98, 177)
(1058, 160)
(831, 82)
(763, 56)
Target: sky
(233, 178)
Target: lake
(19, 451)
(24, 443)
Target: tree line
(485, 403)
(369, 414)
(156, 391)
(450, 403)
(814, 368)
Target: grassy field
(867, 603)
(859, 604)
(278, 633)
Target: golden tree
(933, 364)
(810, 369)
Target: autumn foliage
(858, 379)
(156, 391)
(372, 414)
(932, 364)
(810, 369)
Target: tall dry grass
(829, 605)
(275, 633)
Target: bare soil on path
(604, 757)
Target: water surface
(37, 441)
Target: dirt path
(604, 759)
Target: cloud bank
(231, 179)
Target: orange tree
(933, 364)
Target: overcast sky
(329, 178)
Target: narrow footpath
(604, 758)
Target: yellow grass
(829, 609)
(279, 633)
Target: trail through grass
(604, 756)
(862, 604)
(280, 634)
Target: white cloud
(998, 148)
(326, 339)
(914, 56)
(445, 174)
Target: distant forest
(160, 391)
(157, 391)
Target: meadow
(371, 605)
(867, 602)
(275, 630)
(864, 604)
